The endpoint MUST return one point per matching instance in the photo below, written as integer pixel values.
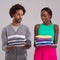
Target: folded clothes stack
(43, 40)
(16, 40)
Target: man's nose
(20, 16)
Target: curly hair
(16, 7)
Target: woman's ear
(50, 16)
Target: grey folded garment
(20, 43)
(17, 45)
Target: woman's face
(45, 16)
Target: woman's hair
(16, 7)
(48, 10)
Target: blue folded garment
(41, 41)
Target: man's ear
(13, 15)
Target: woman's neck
(48, 23)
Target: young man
(16, 37)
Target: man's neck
(15, 23)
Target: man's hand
(10, 47)
(26, 46)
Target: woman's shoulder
(37, 25)
(56, 26)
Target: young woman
(47, 28)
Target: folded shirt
(16, 40)
(41, 36)
(43, 40)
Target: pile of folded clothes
(16, 40)
(41, 40)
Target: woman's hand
(54, 46)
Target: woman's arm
(56, 30)
(35, 31)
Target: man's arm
(28, 37)
(4, 41)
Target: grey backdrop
(31, 18)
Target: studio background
(32, 17)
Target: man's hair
(16, 7)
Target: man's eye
(20, 14)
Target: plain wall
(32, 17)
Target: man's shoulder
(6, 27)
(25, 26)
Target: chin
(18, 21)
(44, 23)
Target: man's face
(18, 16)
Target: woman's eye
(43, 15)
